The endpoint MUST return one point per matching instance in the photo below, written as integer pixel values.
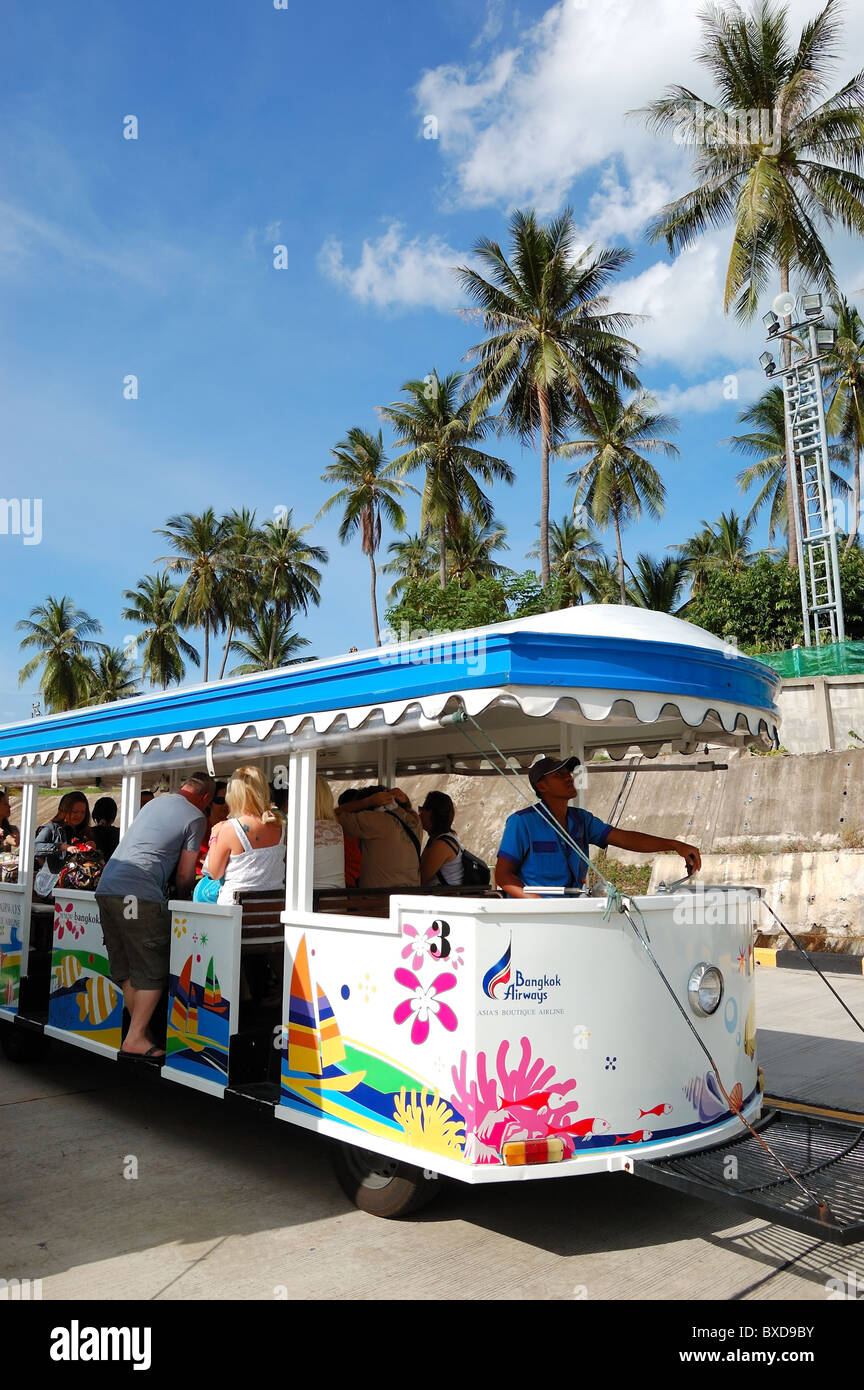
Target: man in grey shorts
(132, 896)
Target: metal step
(827, 1155)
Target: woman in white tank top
(250, 851)
(441, 861)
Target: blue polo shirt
(538, 853)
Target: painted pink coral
(425, 1004)
(531, 1103)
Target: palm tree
(270, 646)
(242, 575)
(617, 481)
(414, 557)
(732, 541)
(61, 634)
(697, 557)
(572, 549)
(657, 584)
(114, 677)
(768, 443)
(776, 194)
(161, 646)
(290, 577)
(472, 549)
(201, 543)
(554, 341)
(602, 584)
(845, 374)
(369, 488)
(439, 434)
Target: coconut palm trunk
(442, 558)
(374, 598)
(545, 437)
(227, 649)
(852, 531)
(622, 591)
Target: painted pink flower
(424, 1004)
(427, 945)
(415, 947)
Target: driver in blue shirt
(532, 851)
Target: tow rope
(616, 902)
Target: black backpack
(475, 871)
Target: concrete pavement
(230, 1204)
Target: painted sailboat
(213, 1001)
(184, 1009)
(315, 1052)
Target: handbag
(207, 889)
(83, 867)
(45, 882)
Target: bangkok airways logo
(498, 975)
(505, 984)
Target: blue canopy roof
(645, 659)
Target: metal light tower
(807, 439)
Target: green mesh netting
(834, 659)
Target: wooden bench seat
(262, 908)
(375, 902)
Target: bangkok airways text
(535, 987)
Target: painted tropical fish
(67, 972)
(540, 1100)
(98, 1000)
(639, 1136)
(583, 1129)
(657, 1110)
(736, 1097)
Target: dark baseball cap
(546, 765)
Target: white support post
(130, 800)
(29, 819)
(302, 768)
(572, 746)
(387, 762)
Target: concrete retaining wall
(818, 895)
(819, 711)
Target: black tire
(23, 1044)
(383, 1186)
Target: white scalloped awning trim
(637, 710)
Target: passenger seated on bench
(249, 851)
(389, 833)
(329, 862)
(441, 862)
(353, 851)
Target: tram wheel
(383, 1186)
(23, 1044)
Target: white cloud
(396, 273)
(523, 127)
(730, 391)
(620, 208)
(534, 119)
(494, 23)
(683, 303)
(258, 237)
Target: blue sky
(304, 127)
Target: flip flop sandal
(153, 1056)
